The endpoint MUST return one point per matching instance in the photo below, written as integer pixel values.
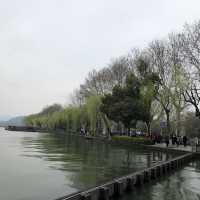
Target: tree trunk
(168, 121)
(178, 120)
(107, 125)
(129, 131)
(148, 125)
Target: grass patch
(136, 140)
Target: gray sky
(47, 47)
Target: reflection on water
(182, 185)
(46, 166)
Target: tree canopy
(132, 102)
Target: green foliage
(123, 104)
(148, 91)
(132, 102)
(93, 112)
(132, 140)
(127, 104)
(71, 118)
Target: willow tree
(148, 91)
(94, 114)
(76, 114)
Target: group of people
(156, 138)
(176, 140)
(83, 132)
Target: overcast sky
(47, 47)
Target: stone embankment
(21, 128)
(121, 186)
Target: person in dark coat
(184, 141)
(178, 142)
(175, 140)
(167, 140)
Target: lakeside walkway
(174, 147)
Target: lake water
(182, 185)
(41, 166)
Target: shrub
(135, 140)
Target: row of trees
(145, 87)
(71, 118)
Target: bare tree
(76, 98)
(158, 53)
(102, 81)
(190, 39)
(119, 70)
(192, 96)
(179, 79)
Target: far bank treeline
(142, 90)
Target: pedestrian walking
(173, 139)
(167, 140)
(184, 140)
(178, 142)
(196, 140)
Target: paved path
(180, 147)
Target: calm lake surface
(182, 185)
(41, 166)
